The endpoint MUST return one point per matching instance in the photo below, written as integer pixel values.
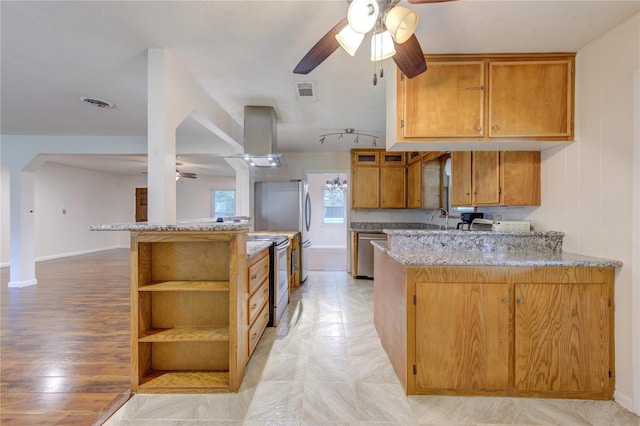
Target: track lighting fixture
(350, 131)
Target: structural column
(22, 272)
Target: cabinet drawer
(255, 331)
(257, 300)
(257, 272)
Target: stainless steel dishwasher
(365, 253)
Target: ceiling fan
(187, 175)
(179, 174)
(393, 27)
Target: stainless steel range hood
(260, 137)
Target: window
(223, 202)
(332, 206)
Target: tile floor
(324, 365)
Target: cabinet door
(562, 338)
(365, 158)
(463, 331)
(392, 158)
(393, 187)
(520, 177)
(365, 188)
(461, 178)
(414, 185)
(530, 98)
(447, 101)
(485, 183)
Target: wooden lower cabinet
(258, 303)
(188, 290)
(468, 322)
(511, 331)
(564, 333)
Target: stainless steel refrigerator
(285, 206)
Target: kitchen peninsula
(495, 313)
(189, 305)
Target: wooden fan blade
(428, 1)
(409, 57)
(321, 50)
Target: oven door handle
(283, 245)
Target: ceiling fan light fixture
(349, 39)
(382, 46)
(362, 15)
(401, 23)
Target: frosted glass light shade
(401, 23)
(362, 15)
(382, 46)
(349, 39)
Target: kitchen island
(189, 305)
(494, 313)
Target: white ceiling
(241, 53)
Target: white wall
(68, 200)
(587, 187)
(91, 198)
(193, 196)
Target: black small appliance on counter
(467, 218)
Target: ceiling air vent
(306, 91)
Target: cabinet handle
(496, 127)
(505, 300)
(479, 128)
(255, 305)
(253, 277)
(521, 301)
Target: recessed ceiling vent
(99, 103)
(306, 91)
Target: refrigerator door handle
(307, 212)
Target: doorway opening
(329, 192)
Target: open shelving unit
(186, 301)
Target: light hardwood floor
(65, 341)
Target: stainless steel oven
(278, 276)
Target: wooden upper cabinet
(365, 187)
(461, 178)
(530, 98)
(414, 185)
(488, 97)
(485, 184)
(492, 178)
(445, 101)
(475, 178)
(520, 177)
(392, 158)
(393, 187)
(365, 158)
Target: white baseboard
(25, 283)
(624, 401)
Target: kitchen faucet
(446, 216)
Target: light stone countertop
(255, 247)
(197, 225)
(380, 226)
(493, 258)
(483, 248)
